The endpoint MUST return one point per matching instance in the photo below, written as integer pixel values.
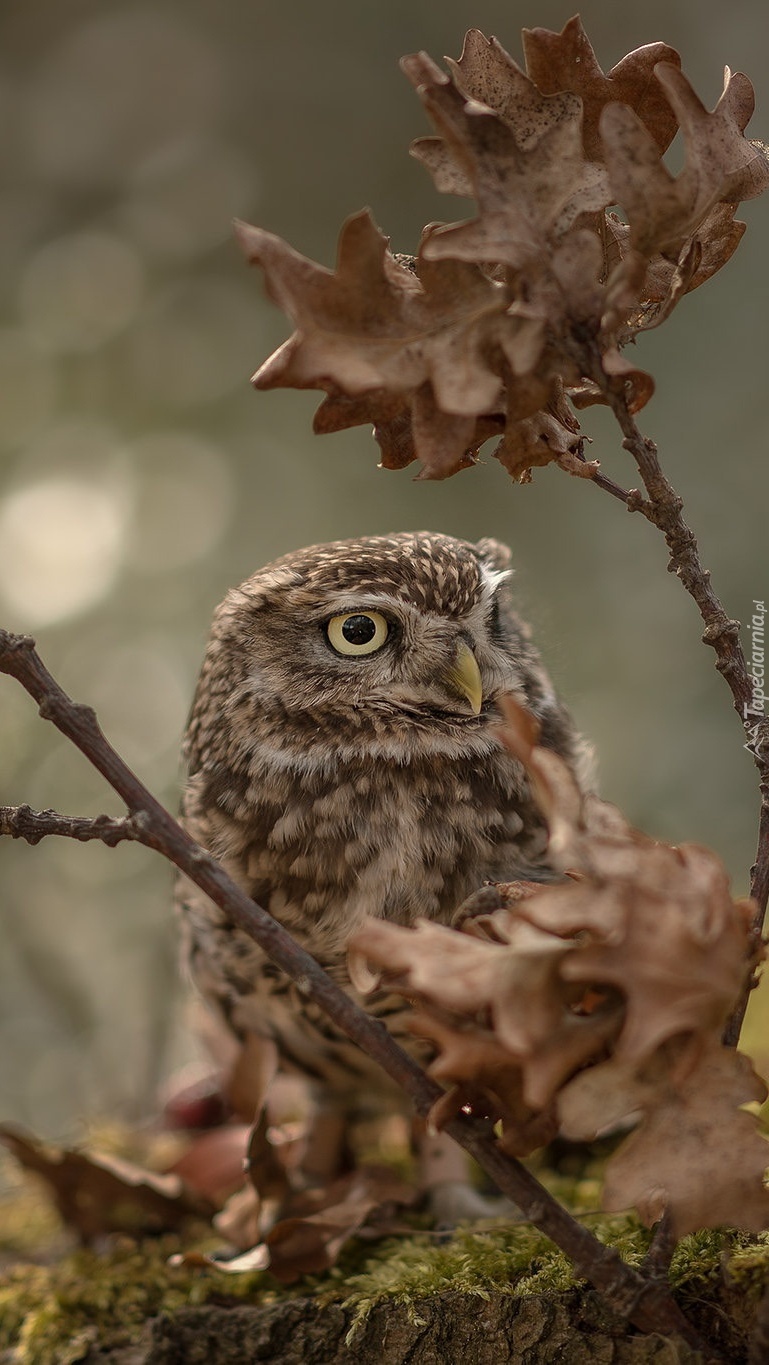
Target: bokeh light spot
(61, 545)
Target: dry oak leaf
(658, 923)
(371, 324)
(487, 74)
(511, 986)
(696, 1153)
(316, 1225)
(540, 440)
(679, 951)
(527, 197)
(566, 61)
(720, 165)
(485, 1078)
(550, 435)
(96, 1193)
(718, 236)
(419, 353)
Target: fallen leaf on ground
(97, 1194)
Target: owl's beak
(464, 677)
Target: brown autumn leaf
(486, 1079)
(96, 1194)
(512, 986)
(566, 61)
(314, 1226)
(309, 1242)
(538, 440)
(501, 318)
(419, 353)
(373, 325)
(487, 74)
(527, 197)
(697, 1153)
(720, 164)
(587, 1003)
(718, 235)
(212, 1165)
(684, 935)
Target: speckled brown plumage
(332, 787)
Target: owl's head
(414, 624)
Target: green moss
(50, 1314)
(512, 1259)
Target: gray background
(140, 476)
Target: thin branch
(631, 497)
(664, 508)
(647, 1303)
(22, 822)
(660, 1253)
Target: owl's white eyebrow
(493, 577)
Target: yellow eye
(358, 632)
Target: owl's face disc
(410, 625)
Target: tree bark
(571, 1328)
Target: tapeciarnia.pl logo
(754, 711)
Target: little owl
(342, 762)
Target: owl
(342, 762)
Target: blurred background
(140, 476)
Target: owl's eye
(359, 632)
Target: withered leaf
(587, 1003)
(718, 236)
(487, 74)
(212, 1165)
(686, 939)
(527, 197)
(696, 1153)
(486, 1078)
(566, 61)
(373, 325)
(96, 1193)
(663, 210)
(720, 162)
(535, 441)
(419, 354)
(316, 1224)
(501, 315)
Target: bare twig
(660, 1253)
(22, 822)
(631, 497)
(647, 1303)
(664, 509)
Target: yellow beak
(464, 677)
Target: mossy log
(485, 1296)
(572, 1329)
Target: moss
(512, 1259)
(51, 1314)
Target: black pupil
(359, 630)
